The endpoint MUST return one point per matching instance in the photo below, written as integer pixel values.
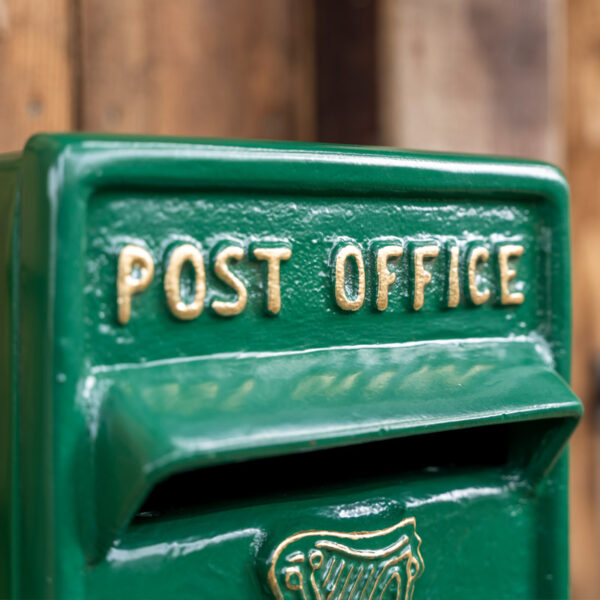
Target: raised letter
(273, 256)
(505, 253)
(453, 287)
(478, 254)
(384, 277)
(132, 256)
(340, 278)
(422, 276)
(229, 309)
(179, 257)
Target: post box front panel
(292, 372)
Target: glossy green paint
(168, 458)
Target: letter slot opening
(322, 473)
(309, 474)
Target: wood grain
(36, 69)
(584, 177)
(472, 76)
(198, 67)
(346, 77)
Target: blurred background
(512, 77)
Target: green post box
(258, 370)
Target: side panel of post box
(52, 427)
(9, 166)
(55, 519)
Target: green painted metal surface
(146, 455)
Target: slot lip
(151, 426)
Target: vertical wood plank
(584, 178)
(36, 71)
(346, 75)
(472, 76)
(198, 67)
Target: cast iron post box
(259, 370)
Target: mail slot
(266, 370)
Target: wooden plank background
(488, 76)
(210, 68)
(36, 69)
(583, 169)
(472, 76)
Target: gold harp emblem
(365, 565)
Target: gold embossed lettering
(132, 257)
(477, 255)
(453, 283)
(422, 275)
(505, 253)
(340, 278)
(273, 256)
(229, 309)
(384, 277)
(181, 255)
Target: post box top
(354, 169)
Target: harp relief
(366, 565)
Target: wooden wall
(36, 69)
(473, 76)
(583, 170)
(185, 67)
(488, 76)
